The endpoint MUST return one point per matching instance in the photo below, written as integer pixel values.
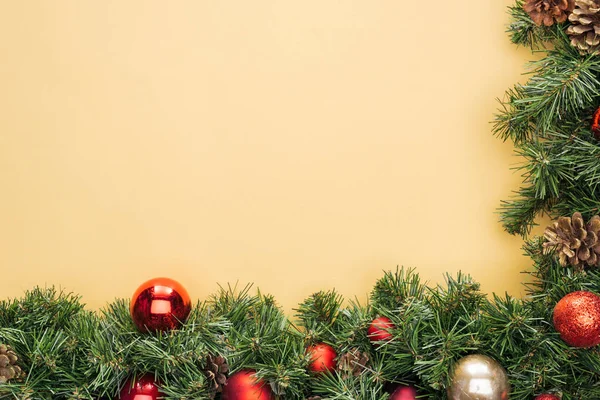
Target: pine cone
(577, 244)
(352, 363)
(216, 372)
(314, 398)
(8, 364)
(547, 12)
(585, 26)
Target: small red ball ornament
(243, 385)
(596, 124)
(322, 357)
(160, 304)
(546, 396)
(379, 329)
(577, 318)
(404, 393)
(144, 388)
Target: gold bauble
(478, 377)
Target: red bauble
(404, 393)
(596, 124)
(143, 388)
(322, 357)
(577, 318)
(379, 329)
(243, 385)
(160, 304)
(546, 396)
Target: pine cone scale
(8, 364)
(352, 363)
(547, 12)
(216, 373)
(576, 242)
(584, 30)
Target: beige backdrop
(300, 145)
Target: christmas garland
(408, 340)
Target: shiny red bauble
(243, 385)
(546, 396)
(160, 304)
(322, 357)
(379, 330)
(577, 318)
(143, 388)
(404, 393)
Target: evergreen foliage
(69, 353)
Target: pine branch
(318, 316)
(363, 387)
(562, 84)
(523, 31)
(561, 175)
(395, 288)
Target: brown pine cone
(216, 373)
(577, 243)
(547, 12)
(8, 364)
(352, 363)
(314, 398)
(584, 30)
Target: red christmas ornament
(577, 318)
(243, 385)
(379, 329)
(143, 388)
(596, 124)
(546, 396)
(404, 393)
(160, 304)
(322, 357)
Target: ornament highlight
(322, 357)
(243, 385)
(379, 330)
(404, 392)
(144, 388)
(478, 377)
(577, 318)
(160, 304)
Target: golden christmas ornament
(584, 30)
(577, 243)
(478, 377)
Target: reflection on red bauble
(322, 357)
(143, 388)
(160, 304)
(244, 386)
(404, 393)
(577, 318)
(547, 396)
(379, 329)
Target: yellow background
(300, 145)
